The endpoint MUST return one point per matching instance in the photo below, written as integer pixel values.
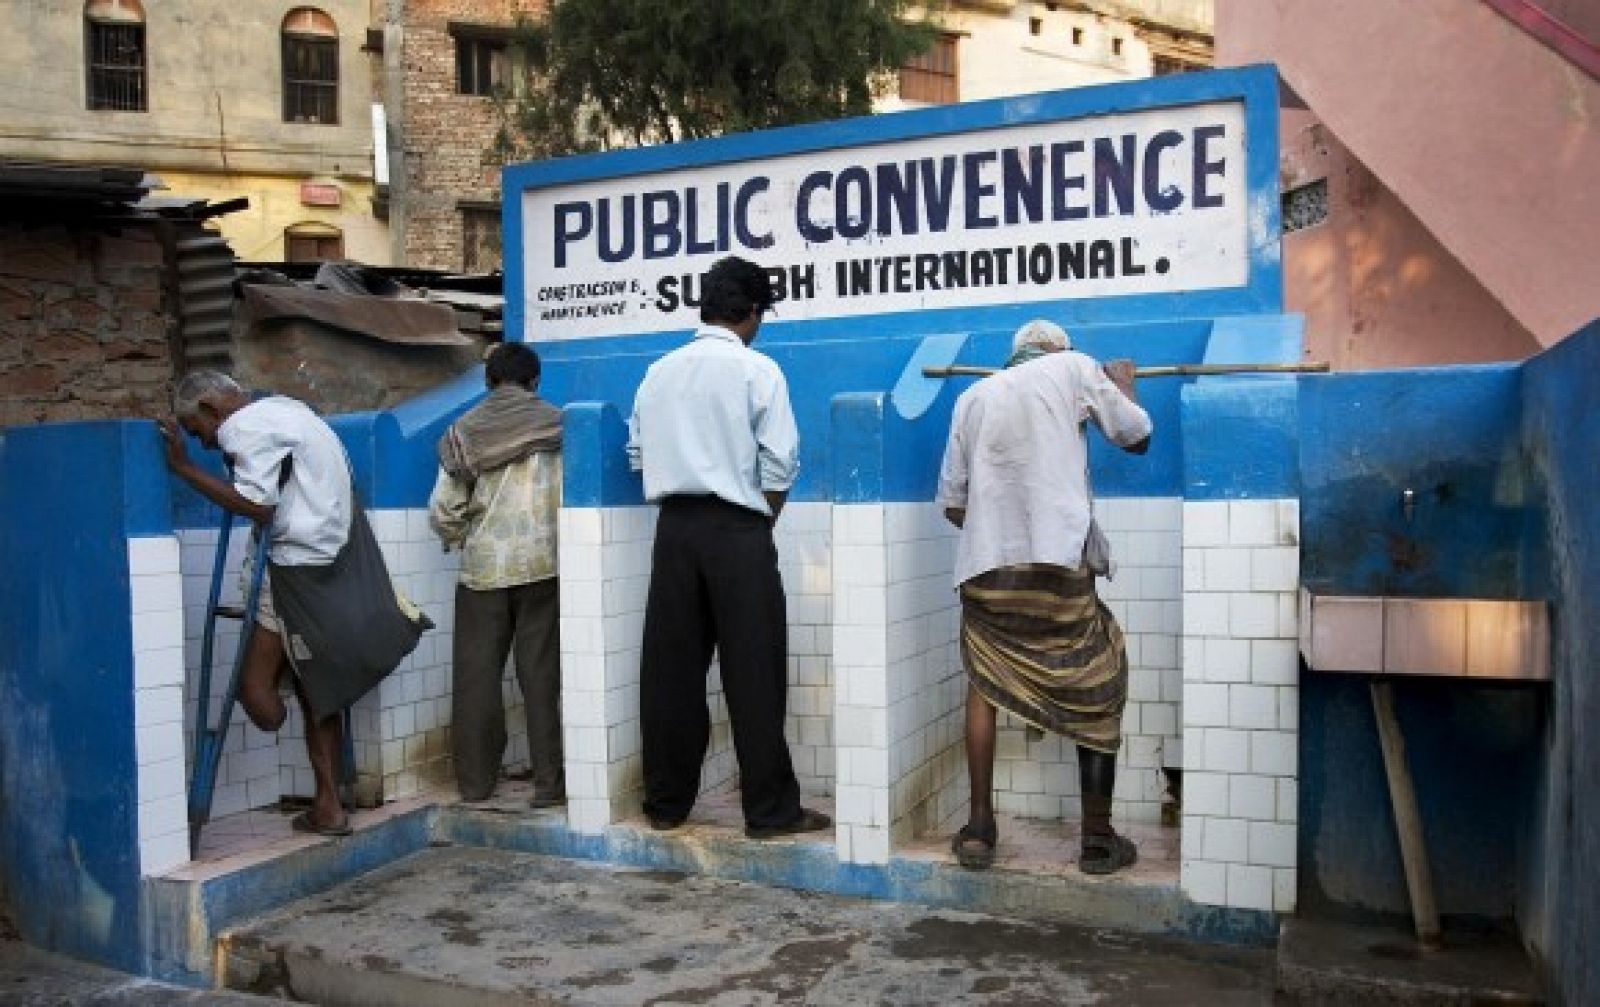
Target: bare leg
(323, 748)
(980, 762)
(258, 682)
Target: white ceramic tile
(1205, 881)
(1205, 705)
(1227, 569)
(161, 854)
(1253, 706)
(1288, 804)
(1205, 793)
(1283, 890)
(1274, 662)
(1226, 751)
(1225, 660)
(1252, 614)
(1205, 614)
(1272, 844)
(1253, 522)
(1249, 887)
(1276, 568)
(1274, 753)
(1205, 523)
(1252, 797)
(155, 554)
(1226, 840)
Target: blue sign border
(1255, 86)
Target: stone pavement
(32, 978)
(460, 925)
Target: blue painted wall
(1453, 435)
(69, 496)
(1560, 913)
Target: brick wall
(82, 330)
(445, 134)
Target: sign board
(1135, 201)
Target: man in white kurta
(1035, 639)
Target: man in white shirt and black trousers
(715, 437)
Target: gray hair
(1047, 336)
(197, 386)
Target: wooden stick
(1407, 821)
(1165, 371)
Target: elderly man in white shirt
(715, 438)
(307, 506)
(1035, 639)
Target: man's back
(314, 504)
(1018, 460)
(713, 418)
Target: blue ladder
(209, 740)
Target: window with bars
(480, 238)
(933, 77)
(480, 65)
(310, 67)
(116, 67)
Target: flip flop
(1105, 854)
(303, 823)
(977, 857)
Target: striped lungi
(1038, 643)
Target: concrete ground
(460, 925)
(32, 978)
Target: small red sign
(314, 194)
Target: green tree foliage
(600, 73)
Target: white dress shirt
(311, 520)
(713, 418)
(1018, 461)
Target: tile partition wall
(156, 610)
(1241, 574)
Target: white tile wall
(1240, 678)
(924, 689)
(156, 613)
(861, 695)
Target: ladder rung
(230, 611)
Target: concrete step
(468, 926)
(1332, 963)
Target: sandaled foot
(974, 848)
(1105, 854)
(809, 821)
(303, 822)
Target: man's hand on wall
(1121, 374)
(177, 451)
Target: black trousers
(715, 584)
(520, 621)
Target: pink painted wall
(1376, 288)
(1488, 139)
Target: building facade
(270, 101)
(444, 63)
(1000, 48)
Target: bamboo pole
(1407, 820)
(1163, 371)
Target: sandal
(974, 850)
(303, 823)
(1104, 854)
